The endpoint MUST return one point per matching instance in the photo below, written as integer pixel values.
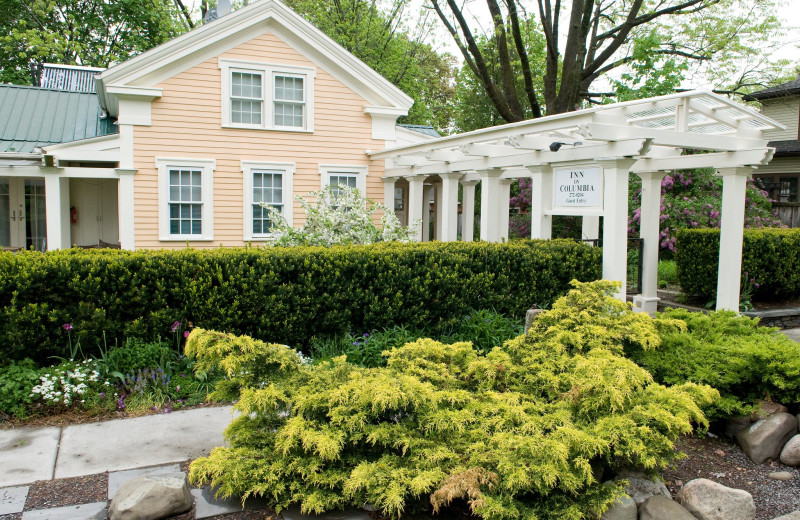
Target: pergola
(579, 164)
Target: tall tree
(80, 32)
(388, 38)
(588, 39)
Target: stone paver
(207, 505)
(117, 478)
(27, 455)
(293, 513)
(12, 500)
(792, 334)
(94, 511)
(144, 441)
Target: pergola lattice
(649, 137)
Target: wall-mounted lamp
(555, 145)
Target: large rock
(764, 409)
(151, 497)
(662, 508)
(640, 488)
(733, 425)
(530, 315)
(764, 439)
(790, 455)
(708, 500)
(623, 509)
(790, 516)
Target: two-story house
(181, 144)
(781, 177)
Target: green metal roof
(32, 117)
(423, 129)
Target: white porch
(603, 145)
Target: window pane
(289, 114)
(174, 177)
(247, 85)
(174, 193)
(197, 194)
(175, 227)
(288, 89)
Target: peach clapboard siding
(187, 123)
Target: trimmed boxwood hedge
(284, 295)
(770, 256)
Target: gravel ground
(722, 461)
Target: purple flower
(366, 334)
(355, 343)
(67, 327)
(102, 395)
(186, 334)
(175, 326)
(757, 285)
(167, 410)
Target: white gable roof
(211, 39)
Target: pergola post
(590, 227)
(541, 201)
(427, 191)
(415, 197)
(649, 226)
(615, 220)
(437, 211)
(734, 186)
(468, 210)
(490, 194)
(503, 208)
(449, 206)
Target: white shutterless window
(344, 176)
(265, 184)
(267, 96)
(185, 195)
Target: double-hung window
(267, 96)
(185, 198)
(343, 176)
(266, 185)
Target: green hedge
(285, 295)
(770, 256)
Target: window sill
(185, 238)
(271, 129)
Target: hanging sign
(578, 188)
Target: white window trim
(268, 72)
(164, 165)
(247, 186)
(325, 171)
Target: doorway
(23, 222)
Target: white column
(590, 227)
(427, 191)
(649, 226)
(125, 208)
(503, 207)
(56, 202)
(449, 207)
(541, 201)
(734, 185)
(415, 195)
(437, 207)
(490, 199)
(615, 220)
(468, 210)
(388, 192)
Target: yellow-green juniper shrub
(523, 432)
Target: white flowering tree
(338, 215)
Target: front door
(22, 213)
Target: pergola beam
(756, 157)
(696, 141)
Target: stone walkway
(124, 449)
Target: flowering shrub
(67, 382)
(693, 199)
(528, 431)
(339, 215)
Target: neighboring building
(781, 177)
(179, 145)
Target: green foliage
(667, 273)
(85, 32)
(288, 295)
(770, 257)
(486, 329)
(367, 350)
(731, 353)
(136, 354)
(523, 432)
(16, 382)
